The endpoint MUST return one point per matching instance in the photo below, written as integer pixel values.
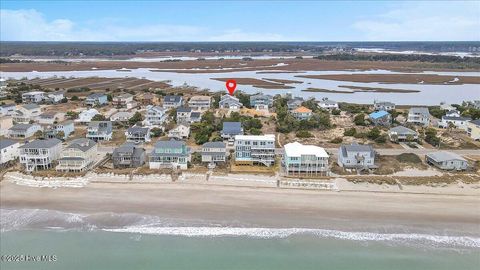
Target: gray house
(446, 161)
(419, 116)
(401, 133)
(214, 152)
(356, 156)
(230, 129)
(128, 156)
(100, 131)
(171, 101)
(261, 101)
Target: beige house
(473, 129)
(6, 122)
(78, 156)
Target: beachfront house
(171, 102)
(328, 104)
(255, 149)
(294, 103)
(60, 130)
(309, 160)
(138, 134)
(356, 156)
(96, 99)
(261, 101)
(51, 117)
(85, 117)
(383, 106)
(402, 134)
(419, 116)
(6, 122)
(7, 109)
(230, 102)
(33, 97)
(155, 116)
(214, 152)
(8, 150)
(124, 100)
(231, 129)
(180, 132)
(121, 117)
(170, 154)
(128, 156)
(99, 131)
(459, 122)
(78, 156)
(23, 131)
(40, 154)
(200, 103)
(381, 118)
(183, 115)
(446, 161)
(26, 113)
(302, 113)
(473, 129)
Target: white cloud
(430, 21)
(31, 25)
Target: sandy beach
(266, 207)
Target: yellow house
(473, 129)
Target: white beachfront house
(78, 156)
(8, 150)
(40, 154)
(23, 131)
(99, 131)
(26, 113)
(255, 149)
(356, 156)
(310, 160)
(155, 116)
(138, 134)
(419, 116)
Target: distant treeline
(60, 49)
(400, 57)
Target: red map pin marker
(231, 85)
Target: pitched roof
(379, 114)
(169, 144)
(232, 127)
(419, 110)
(442, 156)
(456, 118)
(138, 130)
(41, 143)
(302, 109)
(21, 127)
(476, 122)
(82, 144)
(214, 145)
(184, 109)
(402, 130)
(96, 95)
(4, 143)
(172, 98)
(30, 106)
(354, 147)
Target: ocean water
(133, 241)
(111, 250)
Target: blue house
(380, 118)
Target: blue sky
(239, 20)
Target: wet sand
(269, 207)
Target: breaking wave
(23, 219)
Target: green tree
(98, 117)
(359, 119)
(350, 132)
(137, 117)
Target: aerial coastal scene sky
(240, 21)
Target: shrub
(337, 140)
(350, 132)
(303, 134)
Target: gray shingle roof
(214, 145)
(169, 144)
(354, 147)
(442, 156)
(419, 110)
(402, 130)
(171, 98)
(21, 127)
(476, 122)
(138, 130)
(82, 144)
(455, 118)
(41, 143)
(95, 95)
(232, 128)
(30, 106)
(6, 143)
(184, 109)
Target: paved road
(381, 151)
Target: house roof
(476, 122)
(30, 106)
(379, 114)
(41, 143)
(6, 143)
(184, 109)
(7, 105)
(138, 130)
(302, 109)
(442, 156)
(419, 110)
(232, 127)
(129, 148)
(82, 144)
(354, 147)
(327, 102)
(169, 144)
(195, 115)
(124, 95)
(297, 149)
(200, 98)
(384, 103)
(214, 145)
(21, 127)
(172, 98)
(402, 130)
(101, 125)
(95, 95)
(456, 118)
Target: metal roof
(442, 156)
(41, 143)
(214, 145)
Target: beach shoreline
(259, 206)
